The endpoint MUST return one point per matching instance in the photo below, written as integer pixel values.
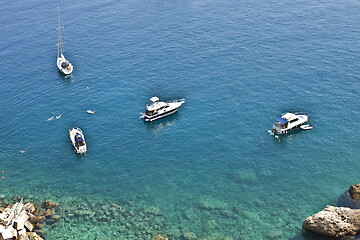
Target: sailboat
(63, 65)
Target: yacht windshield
(79, 140)
(149, 113)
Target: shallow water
(211, 170)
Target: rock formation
(159, 237)
(332, 221)
(355, 191)
(22, 221)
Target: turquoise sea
(210, 171)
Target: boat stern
(82, 150)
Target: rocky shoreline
(25, 221)
(31, 220)
(146, 222)
(337, 222)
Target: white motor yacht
(160, 109)
(63, 65)
(288, 122)
(78, 140)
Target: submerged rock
(189, 236)
(273, 234)
(49, 204)
(244, 176)
(346, 200)
(210, 203)
(332, 221)
(159, 237)
(355, 191)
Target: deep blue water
(239, 65)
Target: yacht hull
(156, 117)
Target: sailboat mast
(59, 34)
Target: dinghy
(306, 127)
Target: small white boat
(78, 140)
(306, 127)
(159, 109)
(63, 65)
(288, 122)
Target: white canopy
(154, 99)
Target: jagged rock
(332, 221)
(20, 221)
(22, 235)
(30, 207)
(8, 233)
(355, 191)
(41, 233)
(29, 226)
(48, 213)
(38, 225)
(159, 237)
(33, 236)
(33, 219)
(49, 204)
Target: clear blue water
(211, 169)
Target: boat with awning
(288, 122)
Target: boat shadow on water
(161, 125)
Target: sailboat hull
(68, 70)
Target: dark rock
(346, 200)
(39, 232)
(30, 207)
(33, 219)
(332, 221)
(48, 213)
(49, 204)
(41, 212)
(38, 225)
(355, 191)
